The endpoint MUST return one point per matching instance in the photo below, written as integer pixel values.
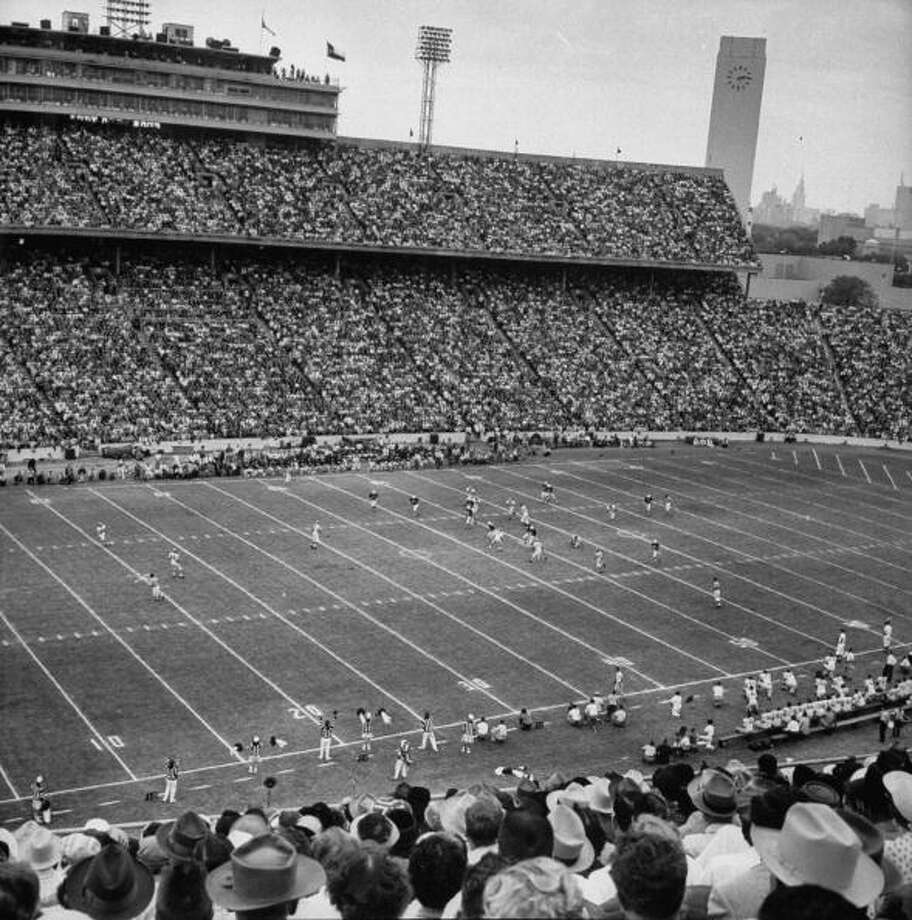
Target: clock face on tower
(739, 77)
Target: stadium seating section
(170, 348)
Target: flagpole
(262, 20)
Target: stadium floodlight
(433, 48)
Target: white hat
(899, 784)
(816, 847)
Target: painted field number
(115, 741)
(474, 683)
(744, 642)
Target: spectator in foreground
(649, 869)
(816, 847)
(19, 891)
(436, 869)
(369, 884)
(110, 884)
(539, 887)
(263, 879)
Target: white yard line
(657, 570)
(338, 597)
(217, 639)
(526, 575)
(133, 653)
(732, 508)
(600, 653)
(99, 737)
(658, 520)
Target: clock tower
(735, 116)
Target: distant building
(876, 216)
(734, 120)
(833, 226)
(899, 216)
(777, 212)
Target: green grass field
(100, 682)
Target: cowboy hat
(38, 846)
(599, 797)
(572, 794)
(816, 847)
(571, 845)
(899, 784)
(180, 838)
(264, 871)
(111, 885)
(713, 793)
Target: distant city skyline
(587, 77)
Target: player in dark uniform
(415, 502)
(372, 497)
(647, 500)
(656, 552)
(367, 732)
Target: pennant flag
(332, 52)
(618, 150)
(264, 27)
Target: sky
(584, 77)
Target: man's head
(368, 883)
(539, 887)
(524, 834)
(650, 870)
(482, 822)
(436, 868)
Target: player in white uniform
(575, 542)
(511, 507)
(326, 735)
(656, 552)
(599, 561)
(840, 649)
(537, 550)
(468, 735)
(667, 504)
(172, 772)
(415, 502)
(647, 501)
(373, 496)
(470, 511)
(765, 682)
(367, 732)
(676, 703)
(789, 682)
(547, 493)
(152, 579)
(887, 634)
(101, 531)
(612, 511)
(618, 682)
(403, 759)
(495, 536)
(524, 518)
(255, 755)
(177, 570)
(718, 692)
(315, 535)
(717, 592)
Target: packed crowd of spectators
(146, 180)
(174, 348)
(725, 841)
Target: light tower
(433, 49)
(127, 17)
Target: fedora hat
(375, 827)
(180, 839)
(816, 847)
(264, 871)
(899, 784)
(111, 885)
(713, 793)
(571, 845)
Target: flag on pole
(334, 53)
(264, 27)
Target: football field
(100, 682)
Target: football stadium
(399, 529)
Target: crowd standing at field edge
(722, 841)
